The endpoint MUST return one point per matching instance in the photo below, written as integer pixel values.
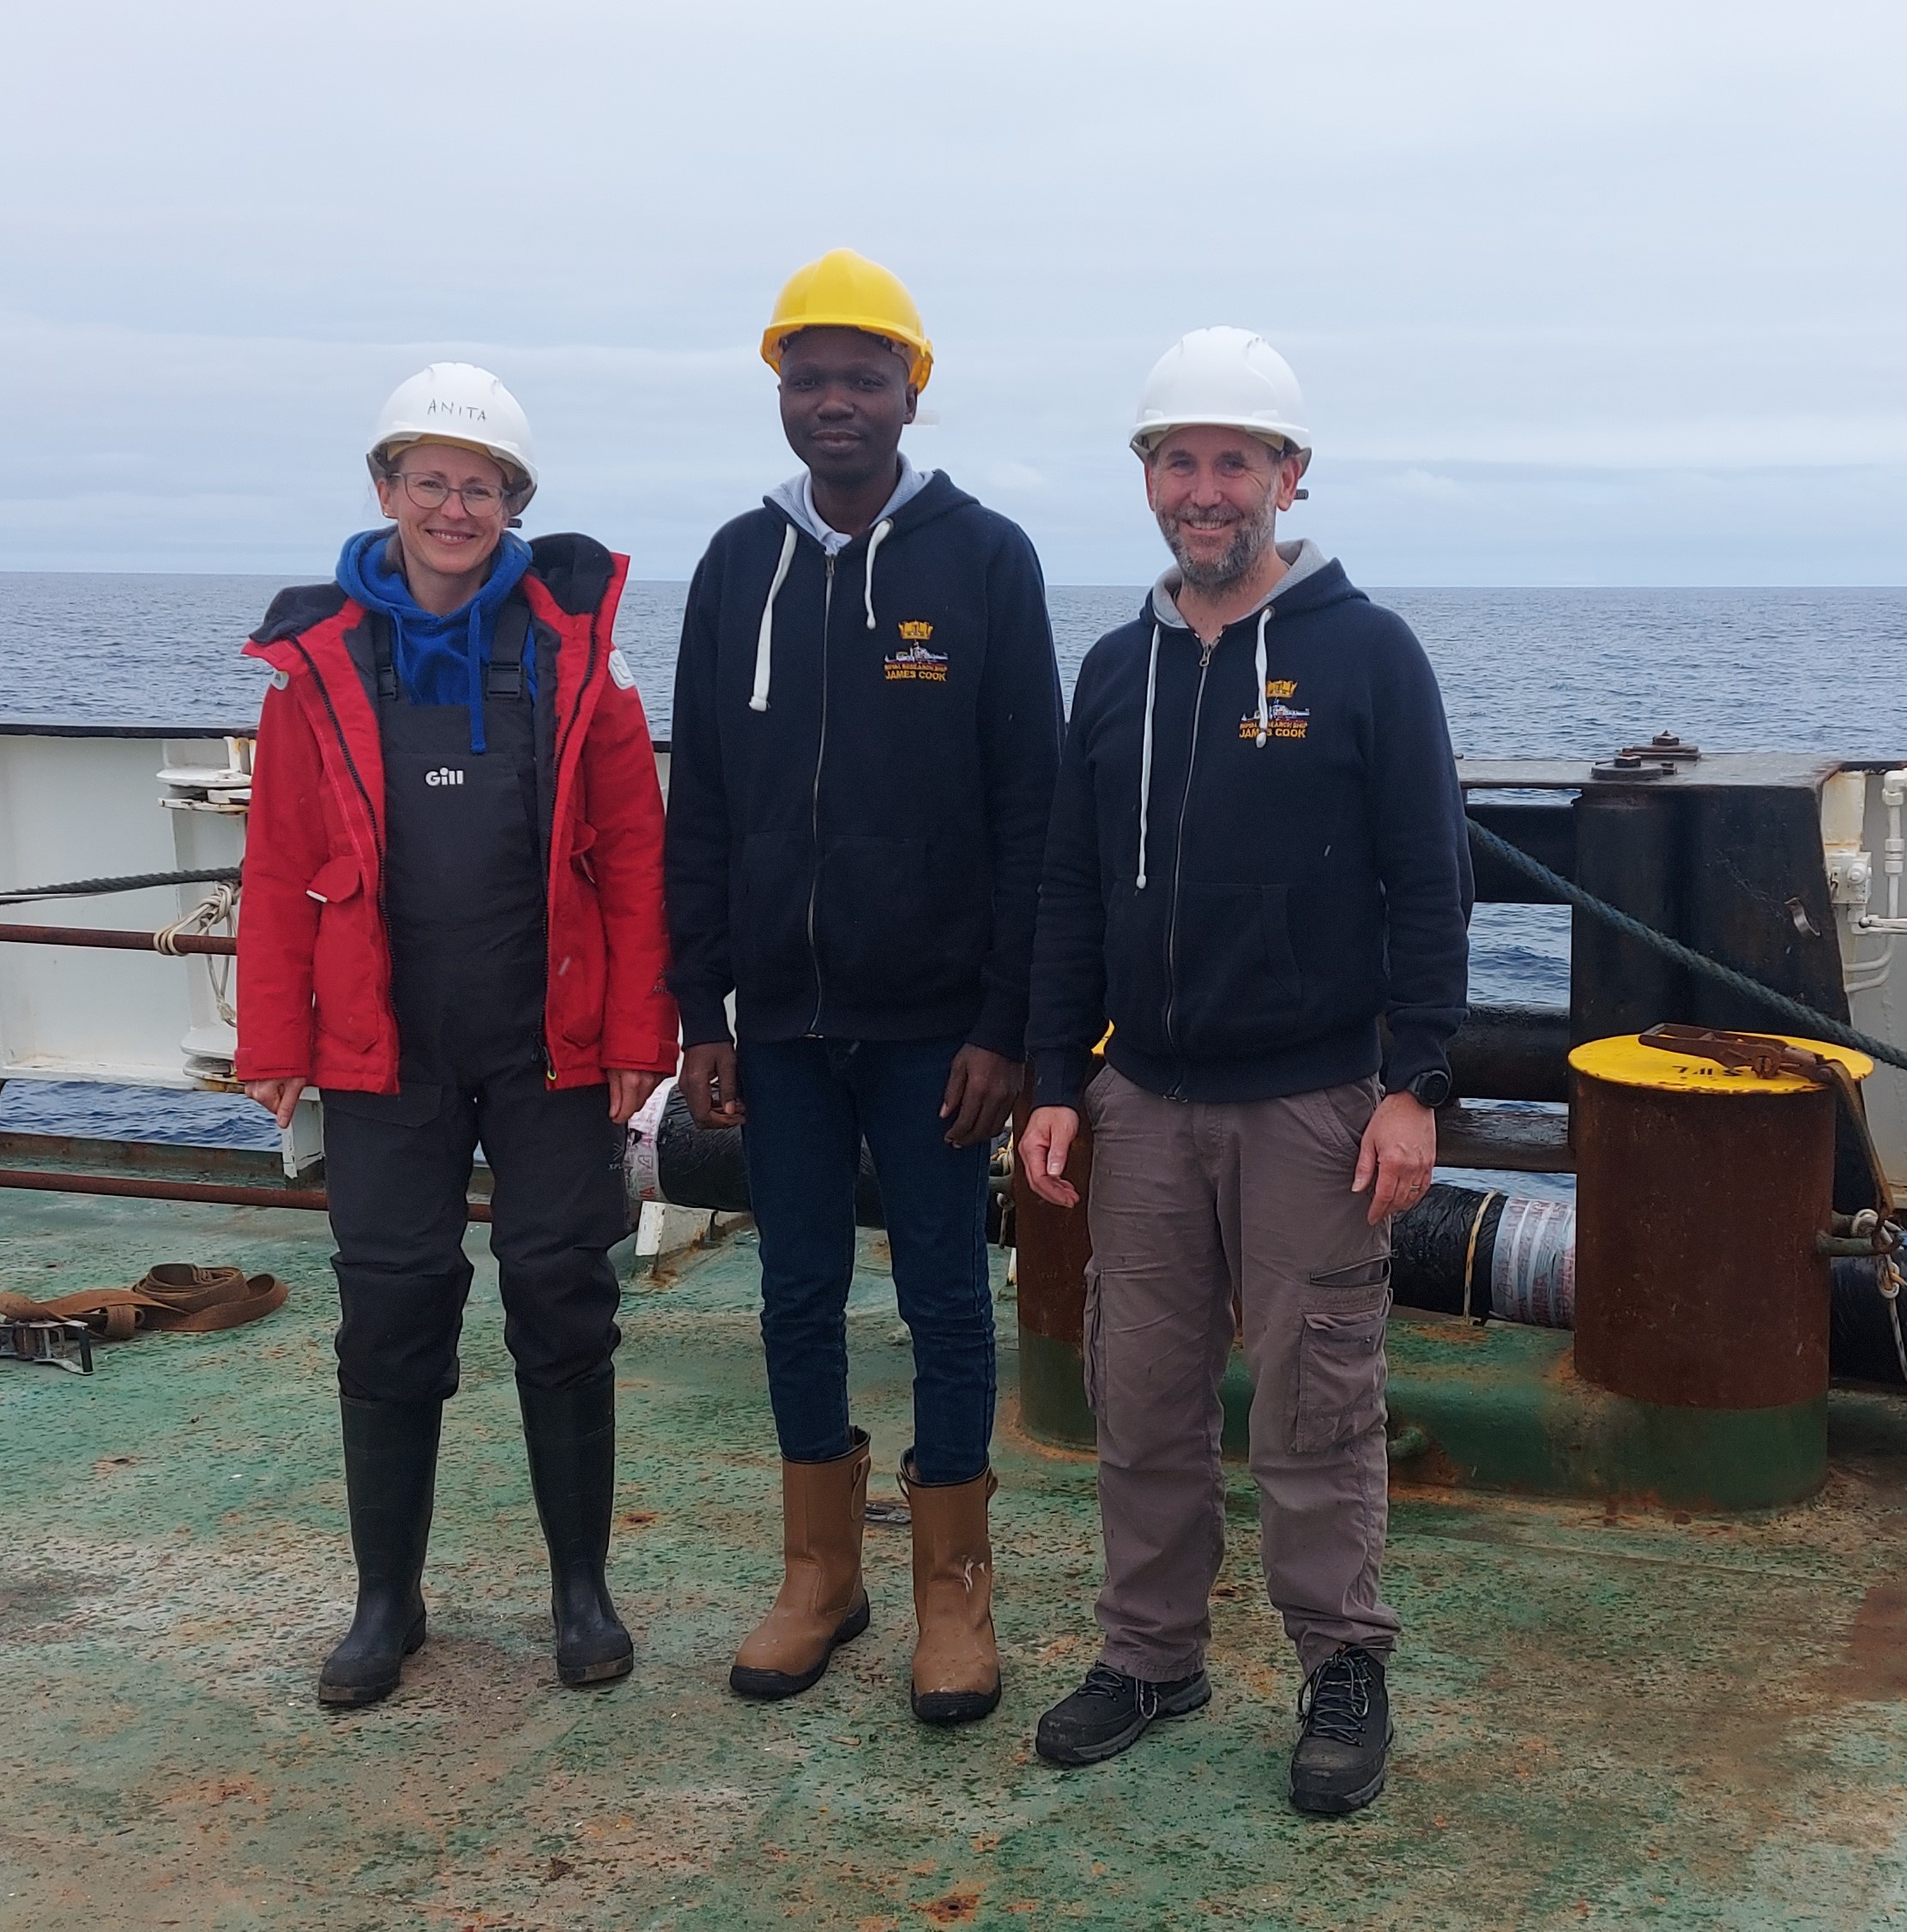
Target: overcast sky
(1600, 293)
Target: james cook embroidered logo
(916, 664)
(1283, 720)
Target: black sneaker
(1344, 1733)
(1110, 1711)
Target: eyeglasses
(433, 492)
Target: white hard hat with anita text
(1229, 378)
(457, 403)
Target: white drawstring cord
(1145, 751)
(1264, 675)
(874, 542)
(764, 642)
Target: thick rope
(1805, 1019)
(130, 882)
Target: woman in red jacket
(453, 926)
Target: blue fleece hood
(439, 659)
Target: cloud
(1424, 483)
(1565, 286)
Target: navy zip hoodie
(861, 768)
(1304, 868)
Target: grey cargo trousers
(1190, 1205)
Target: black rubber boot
(1344, 1733)
(572, 1436)
(390, 1479)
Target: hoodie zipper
(1206, 652)
(814, 805)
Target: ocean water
(1524, 673)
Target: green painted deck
(1602, 1718)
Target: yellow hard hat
(844, 290)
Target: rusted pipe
(1512, 1053)
(139, 1188)
(114, 941)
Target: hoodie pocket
(893, 930)
(768, 913)
(1235, 983)
(1135, 964)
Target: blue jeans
(809, 1103)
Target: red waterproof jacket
(314, 952)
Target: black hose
(1431, 1246)
(1861, 1344)
(705, 1167)
(1448, 1238)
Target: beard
(1239, 556)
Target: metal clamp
(60, 1344)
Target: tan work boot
(822, 1603)
(956, 1665)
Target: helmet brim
(1290, 443)
(520, 484)
(919, 350)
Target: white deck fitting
(84, 807)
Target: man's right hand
(278, 1098)
(1041, 1151)
(709, 1085)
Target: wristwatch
(1430, 1088)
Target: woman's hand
(278, 1098)
(627, 1092)
(1398, 1150)
(1041, 1151)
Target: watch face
(1431, 1089)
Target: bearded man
(1258, 854)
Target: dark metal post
(1627, 851)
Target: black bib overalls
(464, 885)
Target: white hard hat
(1229, 378)
(456, 403)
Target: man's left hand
(981, 1087)
(627, 1092)
(1398, 1150)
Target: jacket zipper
(370, 813)
(814, 810)
(562, 736)
(1206, 652)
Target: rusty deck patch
(1603, 1718)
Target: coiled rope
(215, 909)
(1806, 1019)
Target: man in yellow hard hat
(866, 731)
